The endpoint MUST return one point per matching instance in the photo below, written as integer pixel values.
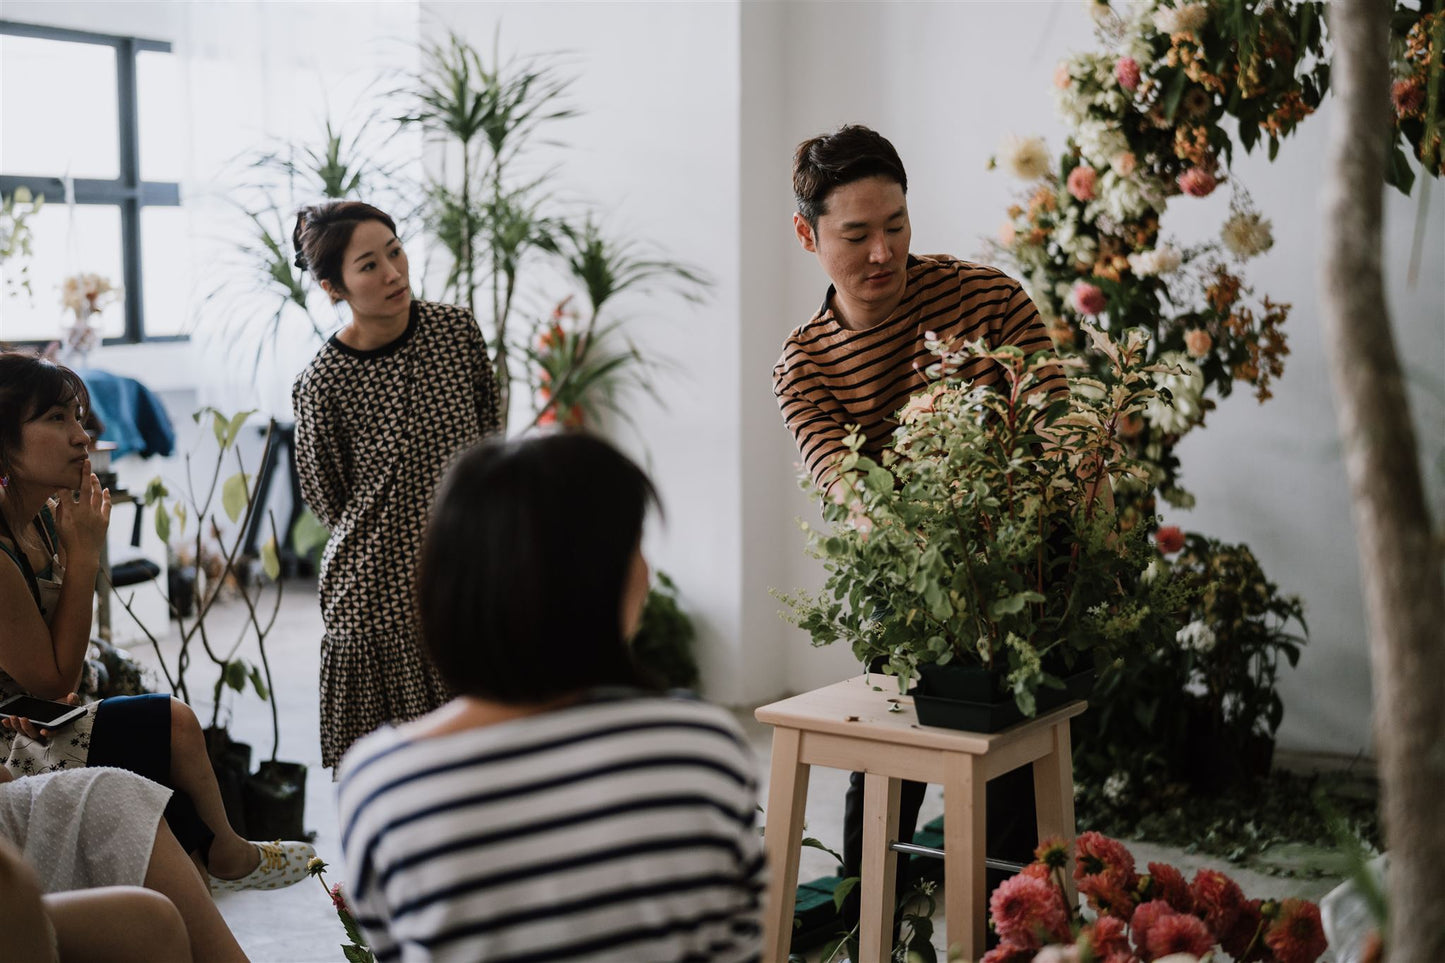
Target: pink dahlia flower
(1146, 917)
(1197, 342)
(1217, 898)
(1296, 935)
(1088, 299)
(1179, 933)
(1126, 71)
(1166, 882)
(1028, 912)
(1197, 182)
(1081, 182)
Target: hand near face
(82, 523)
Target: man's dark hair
(524, 566)
(848, 154)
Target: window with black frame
(93, 123)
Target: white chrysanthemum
(1099, 142)
(1247, 234)
(1162, 260)
(1124, 198)
(1186, 387)
(1185, 19)
(1116, 785)
(1025, 157)
(1196, 636)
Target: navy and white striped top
(619, 829)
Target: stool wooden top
(859, 707)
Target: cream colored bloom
(1025, 157)
(1184, 19)
(1185, 384)
(1246, 234)
(1196, 636)
(1162, 260)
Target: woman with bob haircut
(381, 411)
(53, 521)
(560, 807)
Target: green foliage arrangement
(16, 236)
(665, 635)
(978, 539)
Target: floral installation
(16, 236)
(581, 371)
(975, 538)
(1132, 917)
(85, 295)
(357, 950)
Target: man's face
(862, 243)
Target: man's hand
(82, 522)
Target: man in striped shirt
(862, 355)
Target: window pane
(88, 242)
(58, 109)
(162, 117)
(167, 278)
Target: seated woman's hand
(82, 522)
(22, 725)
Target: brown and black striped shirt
(830, 377)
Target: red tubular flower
(1218, 899)
(1179, 933)
(1296, 935)
(1027, 912)
(1167, 883)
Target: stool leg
(1054, 797)
(783, 840)
(880, 865)
(964, 841)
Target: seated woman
(559, 807)
(49, 561)
(117, 886)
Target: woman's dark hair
(29, 387)
(323, 231)
(828, 161)
(524, 566)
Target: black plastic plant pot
(231, 762)
(973, 697)
(275, 799)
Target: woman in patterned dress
(53, 521)
(380, 412)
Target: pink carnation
(1027, 912)
(1217, 898)
(1126, 71)
(1169, 539)
(1296, 935)
(1197, 182)
(1179, 933)
(1088, 298)
(1081, 182)
(1166, 882)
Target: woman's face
(374, 273)
(53, 449)
(634, 593)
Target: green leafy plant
(16, 236)
(977, 538)
(665, 635)
(192, 521)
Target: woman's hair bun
(300, 260)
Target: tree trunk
(1400, 552)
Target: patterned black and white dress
(375, 430)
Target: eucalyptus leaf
(236, 495)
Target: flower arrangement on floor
(85, 295)
(976, 540)
(1141, 918)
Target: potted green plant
(975, 546)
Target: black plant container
(275, 800)
(973, 698)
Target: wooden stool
(849, 726)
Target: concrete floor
(298, 925)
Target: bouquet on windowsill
(85, 295)
(1141, 918)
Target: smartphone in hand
(41, 712)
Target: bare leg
(27, 939)
(231, 857)
(118, 924)
(171, 874)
